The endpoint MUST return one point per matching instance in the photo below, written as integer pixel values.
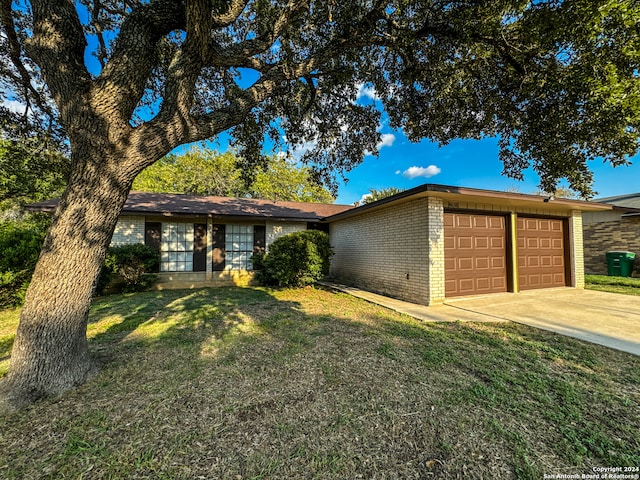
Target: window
(238, 241)
(176, 248)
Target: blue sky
(465, 163)
(468, 163)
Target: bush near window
(20, 244)
(296, 259)
(128, 268)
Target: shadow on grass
(255, 383)
(185, 318)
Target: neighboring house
(208, 240)
(435, 242)
(422, 245)
(617, 229)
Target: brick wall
(129, 230)
(599, 238)
(385, 251)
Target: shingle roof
(249, 208)
(629, 200)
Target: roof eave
(453, 193)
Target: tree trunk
(50, 353)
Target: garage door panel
(465, 264)
(463, 222)
(466, 285)
(496, 223)
(449, 221)
(465, 242)
(479, 222)
(498, 262)
(532, 224)
(497, 242)
(541, 256)
(449, 264)
(482, 263)
(481, 242)
(546, 261)
(477, 263)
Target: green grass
(268, 384)
(604, 283)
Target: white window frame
(176, 247)
(238, 245)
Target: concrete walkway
(608, 319)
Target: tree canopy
(202, 171)
(30, 172)
(375, 195)
(556, 82)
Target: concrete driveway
(608, 319)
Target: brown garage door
(474, 254)
(541, 253)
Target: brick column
(577, 249)
(436, 251)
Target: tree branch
(236, 7)
(57, 46)
(102, 47)
(15, 53)
(123, 79)
(243, 51)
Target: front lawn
(604, 283)
(258, 383)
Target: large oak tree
(555, 80)
(202, 171)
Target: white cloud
(386, 140)
(14, 106)
(363, 198)
(298, 151)
(426, 172)
(367, 91)
(398, 172)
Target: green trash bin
(620, 264)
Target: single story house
(422, 245)
(207, 240)
(617, 229)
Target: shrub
(20, 244)
(296, 259)
(127, 268)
